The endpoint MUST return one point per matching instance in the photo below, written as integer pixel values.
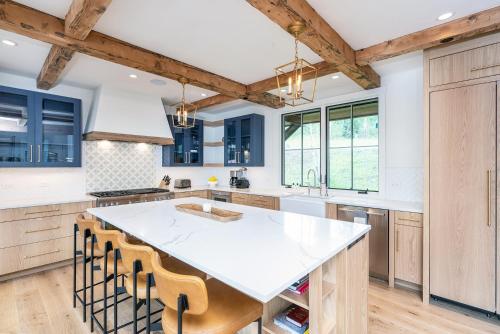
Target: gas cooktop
(128, 192)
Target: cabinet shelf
(270, 327)
(303, 300)
(213, 144)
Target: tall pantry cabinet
(461, 144)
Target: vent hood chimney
(119, 115)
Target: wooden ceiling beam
(481, 23)
(30, 22)
(80, 19)
(319, 36)
(265, 85)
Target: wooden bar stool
(140, 283)
(210, 307)
(86, 228)
(107, 240)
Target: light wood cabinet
(408, 253)
(35, 236)
(266, 202)
(467, 65)
(462, 177)
(195, 193)
(331, 211)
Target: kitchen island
(262, 254)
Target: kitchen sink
(307, 205)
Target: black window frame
(308, 111)
(327, 117)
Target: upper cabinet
(244, 141)
(39, 130)
(187, 149)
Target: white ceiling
(365, 23)
(226, 37)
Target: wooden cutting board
(216, 213)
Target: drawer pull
(475, 69)
(410, 220)
(43, 229)
(46, 211)
(42, 254)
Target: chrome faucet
(309, 181)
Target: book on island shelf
(301, 289)
(290, 319)
(299, 283)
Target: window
(352, 157)
(301, 136)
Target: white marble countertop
(377, 203)
(260, 255)
(360, 200)
(275, 192)
(35, 201)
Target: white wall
(401, 141)
(39, 183)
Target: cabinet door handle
(39, 153)
(397, 241)
(489, 197)
(42, 254)
(31, 153)
(475, 69)
(43, 229)
(37, 212)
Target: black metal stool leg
(259, 324)
(148, 303)
(92, 284)
(75, 230)
(137, 268)
(107, 248)
(115, 291)
(86, 235)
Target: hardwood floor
(42, 303)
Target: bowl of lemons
(212, 181)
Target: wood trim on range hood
(98, 135)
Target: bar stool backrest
(170, 285)
(103, 236)
(131, 253)
(85, 223)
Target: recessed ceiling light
(158, 82)
(203, 94)
(133, 76)
(335, 77)
(445, 16)
(9, 42)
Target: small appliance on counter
(182, 183)
(238, 179)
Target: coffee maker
(238, 179)
(233, 178)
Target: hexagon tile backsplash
(116, 165)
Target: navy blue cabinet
(244, 141)
(187, 149)
(39, 130)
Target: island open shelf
(337, 297)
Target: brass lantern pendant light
(180, 119)
(291, 77)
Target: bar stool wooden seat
(210, 307)
(140, 283)
(111, 263)
(85, 227)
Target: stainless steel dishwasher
(379, 235)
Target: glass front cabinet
(187, 149)
(39, 130)
(244, 141)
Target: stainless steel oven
(221, 196)
(379, 235)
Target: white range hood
(130, 117)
